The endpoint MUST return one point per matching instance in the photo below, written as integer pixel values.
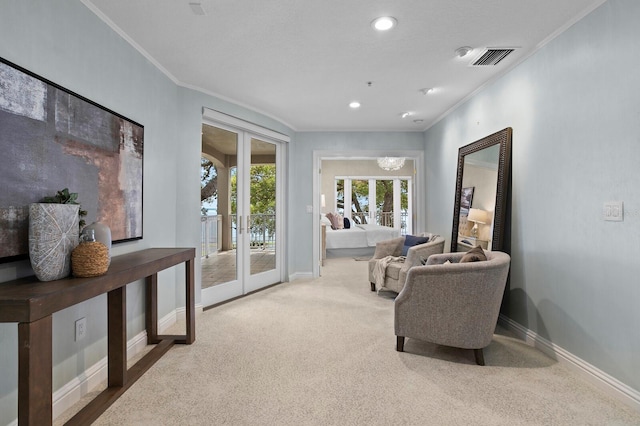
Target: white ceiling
(302, 62)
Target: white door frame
(245, 131)
(419, 220)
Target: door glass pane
(404, 205)
(340, 196)
(218, 194)
(360, 201)
(262, 189)
(384, 202)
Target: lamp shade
(478, 216)
(323, 201)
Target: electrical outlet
(613, 211)
(81, 329)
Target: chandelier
(390, 163)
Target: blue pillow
(412, 240)
(347, 223)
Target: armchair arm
(416, 255)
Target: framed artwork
(466, 198)
(50, 139)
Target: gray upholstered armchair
(453, 304)
(396, 273)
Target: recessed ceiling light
(384, 23)
(354, 104)
(418, 121)
(405, 114)
(463, 51)
(427, 90)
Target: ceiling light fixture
(405, 114)
(418, 121)
(354, 104)
(427, 90)
(390, 163)
(384, 23)
(463, 51)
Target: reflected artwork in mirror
(484, 169)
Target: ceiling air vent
(492, 56)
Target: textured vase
(102, 234)
(53, 234)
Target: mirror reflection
(480, 199)
(477, 205)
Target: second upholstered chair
(453, 304)
(395, 273)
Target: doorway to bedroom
(357, 188)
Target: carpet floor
(322, 352)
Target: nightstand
(467, 242)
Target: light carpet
(322, 352)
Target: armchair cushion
(476, 254)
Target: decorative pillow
(412, 240)
(433, 237)
(347, 223)
(333, 221)
(339, 221)
(476, 254)
(324, 219)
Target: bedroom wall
(354, 168)
(575, 115)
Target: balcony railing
(261, 229)
(382, 218)
(211, 234)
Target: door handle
(239, 224)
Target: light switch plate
(613, 211)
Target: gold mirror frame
(503, 138)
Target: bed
(359, 240)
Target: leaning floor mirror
(482, 183)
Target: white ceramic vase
(53, 234)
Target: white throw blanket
(380, 269)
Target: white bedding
(359, 236)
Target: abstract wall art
(50, 139)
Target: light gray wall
(65, 43)
(575, 112)
(62, 41)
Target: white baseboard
(608, 384)
(300, 275)
(65, 397)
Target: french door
(248, 217)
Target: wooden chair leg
(373, 286)
(479, 356)
(400, 343)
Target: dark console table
(31, 303)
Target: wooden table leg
(190, 301)
(151, 309)
(117, 336)
(35, 372)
